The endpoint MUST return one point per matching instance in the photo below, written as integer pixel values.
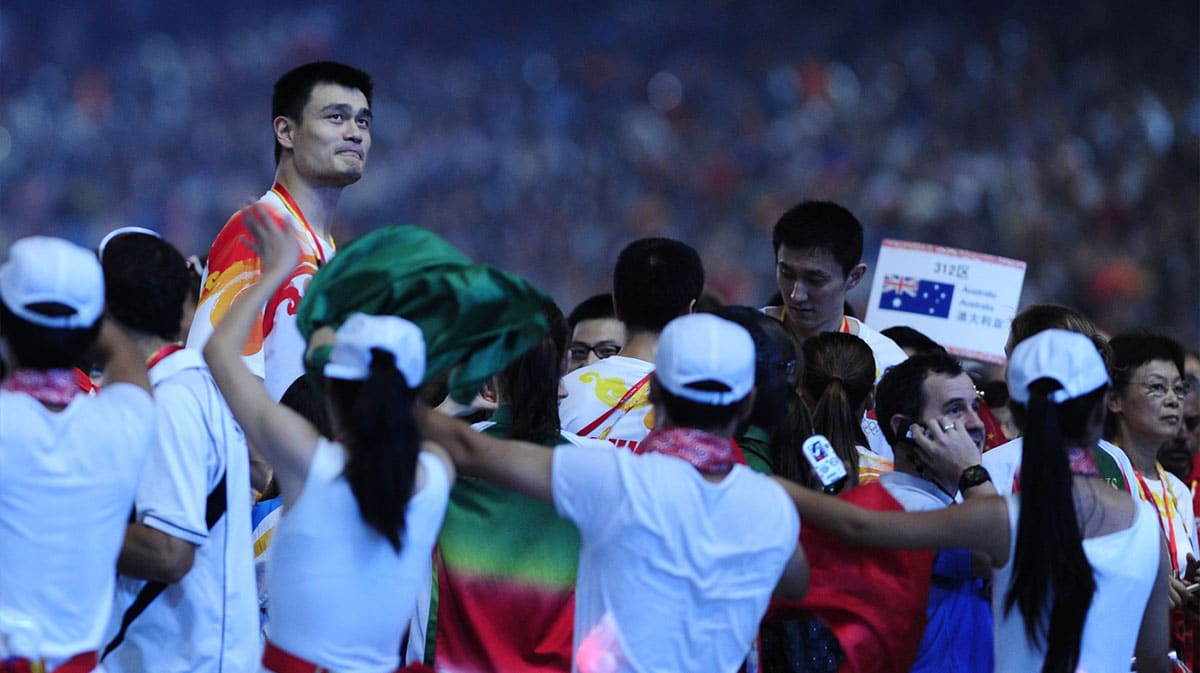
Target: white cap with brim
(350, 358)
(702, 348)
(46, 270)
(1070, 358)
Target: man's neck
(640, 346)
(802, 333)
(316, 203)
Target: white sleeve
(173, 493)
(586, 484)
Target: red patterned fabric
(872, 599)
(50, 386)
(705, 451)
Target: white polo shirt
(208, 621)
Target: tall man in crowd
(186, 599)
(321, 117)
(818, 259)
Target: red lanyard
(1169, 524)
(161, 354)
(294, 209)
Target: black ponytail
(1052, 582)
(382, 442)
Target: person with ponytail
(1078, 568)
(838, 379)
(361, 511)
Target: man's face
(331, 141)
(594, 340)
(813, 288)
(953, 399)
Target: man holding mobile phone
(928, 407)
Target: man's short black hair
(654, 282)
(293, 89)
(595, 307)
(821, 224)
(37, 347)
(902, 388)
(146, 282)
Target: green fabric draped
(476, 319)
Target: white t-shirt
(1125, 567)
(341, 596)
(67, 482)
(680, 567)
(594, 390)
(208, 621)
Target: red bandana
(705, 451)
(51, 386)
(1082, 462)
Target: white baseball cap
(1069, 358)
(350, 358)
(702, 347)
(41, 269)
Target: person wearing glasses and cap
(362, 511)
(1079, 568)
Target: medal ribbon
(161, 354)
(294, 209)
(1168, 526)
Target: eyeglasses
(1159, 390)
(603, 350)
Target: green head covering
(473, 316)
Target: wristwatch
(973, 476)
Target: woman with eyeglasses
(1145, 409)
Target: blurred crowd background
(543, 136)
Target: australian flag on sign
(916, 295)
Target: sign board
(963, 300)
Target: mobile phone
(824, 460)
